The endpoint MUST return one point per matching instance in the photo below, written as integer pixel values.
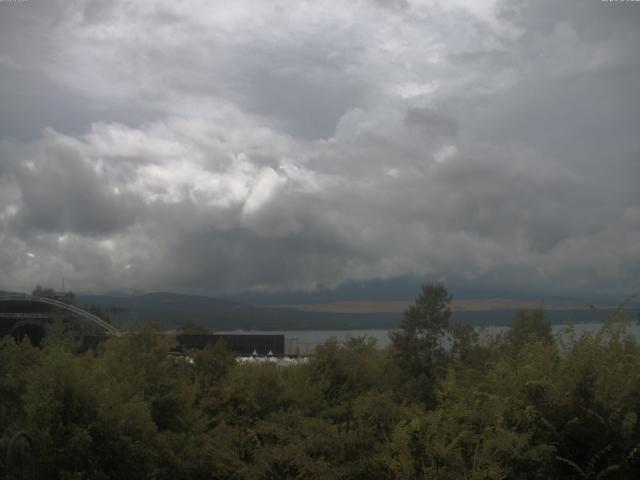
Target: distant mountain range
(377, 304)
(406, 288)
(170, 310)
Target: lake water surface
(303, 341)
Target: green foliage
(418, 341)
(524, 405)
(194, 328)
(529, 326)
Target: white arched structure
(83, 314)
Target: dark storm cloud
(59, 191)
(63, 194)
(217, 147)
(231, 260)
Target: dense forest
(523, 405)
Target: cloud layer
(218, 147)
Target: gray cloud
(279, 146)
(60, 191)
(432, 122)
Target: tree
(465, 345)
(418, 341)
(41, 291)
(528, 326)
(189, 327)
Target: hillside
(170, 310)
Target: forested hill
(171, 310)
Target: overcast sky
(211, 147)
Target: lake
(303, 341)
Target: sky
(224, 147)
